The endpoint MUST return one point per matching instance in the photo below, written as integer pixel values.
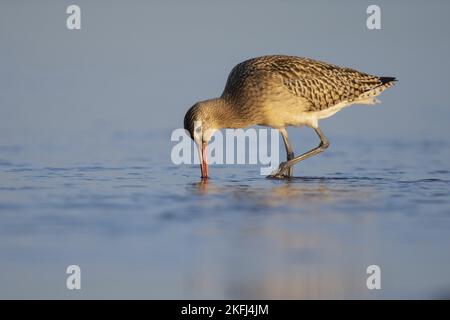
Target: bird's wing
(323, 85)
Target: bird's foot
(278, 176)
(283, 172)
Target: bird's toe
(283, 172)
(278, 176)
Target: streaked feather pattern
(321, 84)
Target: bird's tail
(383, 84)
(385, 80)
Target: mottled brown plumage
(280, 91)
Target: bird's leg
(284, 166)
(289, 150)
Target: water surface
(141, 227)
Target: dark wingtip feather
(387, 79)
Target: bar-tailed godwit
(280, 91)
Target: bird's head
(201, 123)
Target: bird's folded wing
(325, 85)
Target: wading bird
(280, 91)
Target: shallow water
(141, 227)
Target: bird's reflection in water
(287, 194)
(205, 187)
(281, 238)
(290, 192)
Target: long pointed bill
(203, 156)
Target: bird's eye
(198, 130)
